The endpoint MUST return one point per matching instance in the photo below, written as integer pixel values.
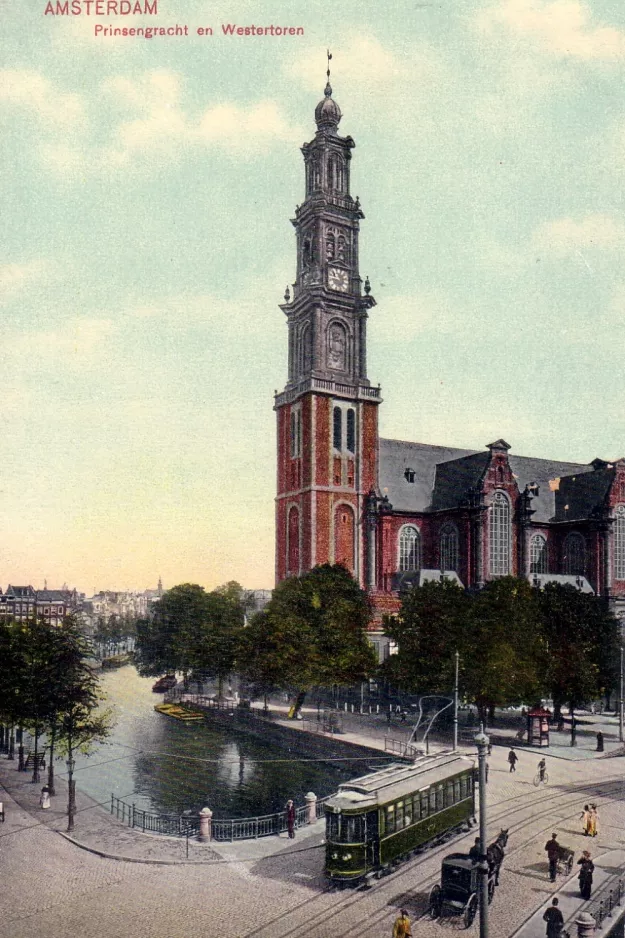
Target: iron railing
(401, 748)
(249, 828)
(606, 901)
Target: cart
(565, 859)
(457, 893)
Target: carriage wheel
(491, 890)
(436, 901)
(569, 864)
(470, 910)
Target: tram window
(449, 794)
(390, 819)
(352, 829)
(432, 800)
(408, 813)
(424, 804)
(457, 790)
(440, 797)
(399, 815)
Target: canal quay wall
(305, 737)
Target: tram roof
(399, 779)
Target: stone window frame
(449, 547)
(619, 542)
(500, 535)
(539, 556)
(574, 558)
(408, 548)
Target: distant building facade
(20, 603)
(397, 513)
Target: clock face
(338, 279)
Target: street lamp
(620, 706)
(481, 741)
(71, 801)
(456, 704)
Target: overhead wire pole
(620, 706)
(457, 656)
(481, 741)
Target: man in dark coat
(554, 919)
(290, 818)
(587, 868)
(512, 760)
(553, 852)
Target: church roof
(444, 476)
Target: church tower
(327, 414)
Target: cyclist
(542, 768)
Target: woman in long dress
(585, 819)
(594, 820)
(587, 868)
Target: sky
(147, 191)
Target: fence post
(112, 797)
(133, 814)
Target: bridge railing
(249, 828)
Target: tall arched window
(449, 547)
(293, 545)
(499, 535)
(539, 562)
(619, 543)
(351, 430)
(344, 537)
(337, 428)
(575, 554)
(409, 548)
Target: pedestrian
(403, 716)
(594, 818)
(474, 852)
(585, 819)
(290, 818)
(388, 717)
(554, 919)
(553, 852)
(542, 768)
(512, 759)
(44, 798)
(599, 741)
(561, 725)
(401, 928)
(587, 868)
(489, 748)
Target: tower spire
(328, 87)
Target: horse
(495, 854)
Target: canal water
(168, 767)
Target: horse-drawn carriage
(458, 890)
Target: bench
(30, 761)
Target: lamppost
(481, 741)
(71, 801)
(456, 704)
(620, 706)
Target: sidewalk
(609, 867)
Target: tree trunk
(36, 764)
(51, 762)
(491, 715)
(11, 752)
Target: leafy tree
(314, 632)
(581, 635)
(214, 646)
(504, 662)
(430, 627)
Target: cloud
(75, 342)
(559, 28)
(30, 91)
(14, 278)
(561, 237)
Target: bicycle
(538, 778)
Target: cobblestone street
(275, 888)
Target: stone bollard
(206, 824)
(311, 807)
(585, 925)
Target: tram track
(322, 917)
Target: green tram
(377, 819)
